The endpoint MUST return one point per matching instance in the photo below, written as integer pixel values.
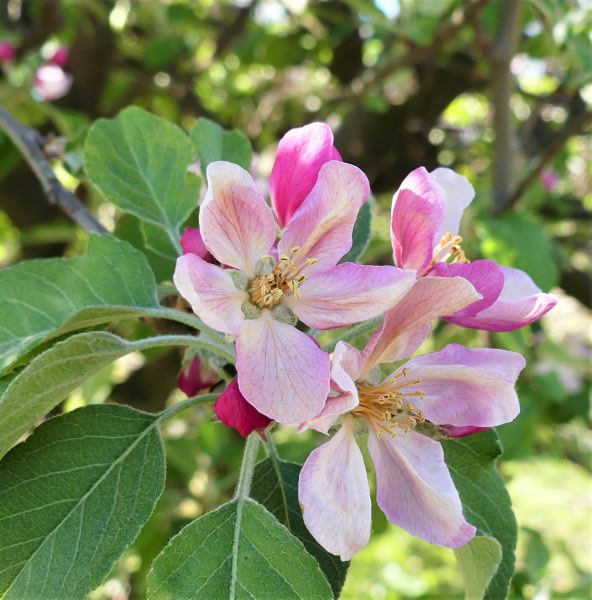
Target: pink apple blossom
(404, 414)
(7, 52)
(282, 371)
(235, 412)
(51, 83)
(425, 219)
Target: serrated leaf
(275, 485)
(140, 162)
(55, 373)
(486, 502)
(236, 552)
(212, 143)
(73, 497)
(478, 561)
(43, 299)
(360, 234)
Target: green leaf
(73, 497)
(360, 235)
(478, 561)
(55, 373)
(212, 143)
(238, 551)
(140, 163)
(275, 485)
(486, 502)
(518, 241)
(43, 299)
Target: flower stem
(248, 466)
(184, 404)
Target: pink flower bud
(60, 57)
(195, 377)
(234, 411)
(192, 243)
(7, 52)
(549, 179)
(51, 83)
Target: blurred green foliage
(403, 83)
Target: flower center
(449, 250)
(387, 408)
(285, 277)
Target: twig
(504, 144)
(572, 128)
(30, 144)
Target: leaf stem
(184, 404)
(248, 466)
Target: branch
(504, 144)
(30, 144)
(573, 127)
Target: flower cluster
(266, 277)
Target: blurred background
(499, 90)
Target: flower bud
(192, 243)
(234, 411)
(60, 57)
(7, 52)
(195, 377)
(51, 83)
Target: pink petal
(211, 293)
(195, 377)
(236, 224)
(348, 293)
(414, 489)
(234, 411)
(282, 372)
(322, 226)
(467, 387)
(485, 275)
(416, 219)
(300, 155)
(60, 57)
(192, 243)
(407, 325)
(458, 432)
(520, 303)
(334, 495)
(458, 194)
(51, 83)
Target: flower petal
(458, 432)
(348, 293)
(334, 495)
(195, 377)
(300, 155)
(485, 275)
(236, 224)
(467, 387)
(414, 488)
(282, 372)
(458, 194)
(520, 303)
(192, 243)
(322, 226)
(234, 411)
(211, 293)
(407, 324)
(417, 215)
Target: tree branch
(30, 144)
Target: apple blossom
(425, 219)
(51, 83)
(404, 414)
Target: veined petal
(282, 372)
(458, 194)
(520, 303)
(192, 243)
(322, 226)
(485, 275)
(467, 387)
(211, 293)
(348, 293)
(334, 495)
(415, 491)
(235, 222)
(417, 215)
(407, 324)
(234, 411)
(300, 155)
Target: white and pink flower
(51, 83)
(426, 213)
(452, 392)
